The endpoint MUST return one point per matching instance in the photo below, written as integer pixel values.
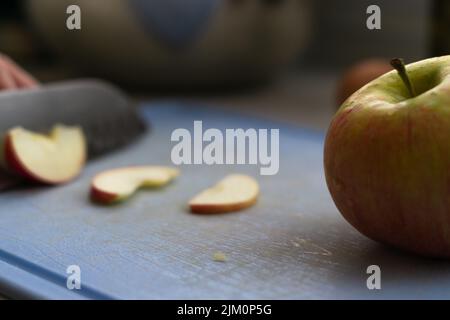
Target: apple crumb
(219, 257)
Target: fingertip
(6, 81)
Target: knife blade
(105, 113)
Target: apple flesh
(52, 159)
(116, 185)
(234, 192)
(387, 159)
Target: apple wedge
(52, 159)
(233, 193)
(119, 184)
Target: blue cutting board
(292, 244)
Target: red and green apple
(387, 158)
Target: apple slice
(234, 192)
(55, 158)
(118, 184)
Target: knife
(107, 117)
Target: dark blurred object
(15, 40)
(8, 181)
(341, 36)
(10, 9)
(359, 75)
(106, 114)
(18, 40)
(167, 44)
(440, 24)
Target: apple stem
(399, 65)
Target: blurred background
(289, 60)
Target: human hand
(14, 77)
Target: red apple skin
(14, 164)
(103, 197)
(12, 160)
(388, 171)
(358, 75)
